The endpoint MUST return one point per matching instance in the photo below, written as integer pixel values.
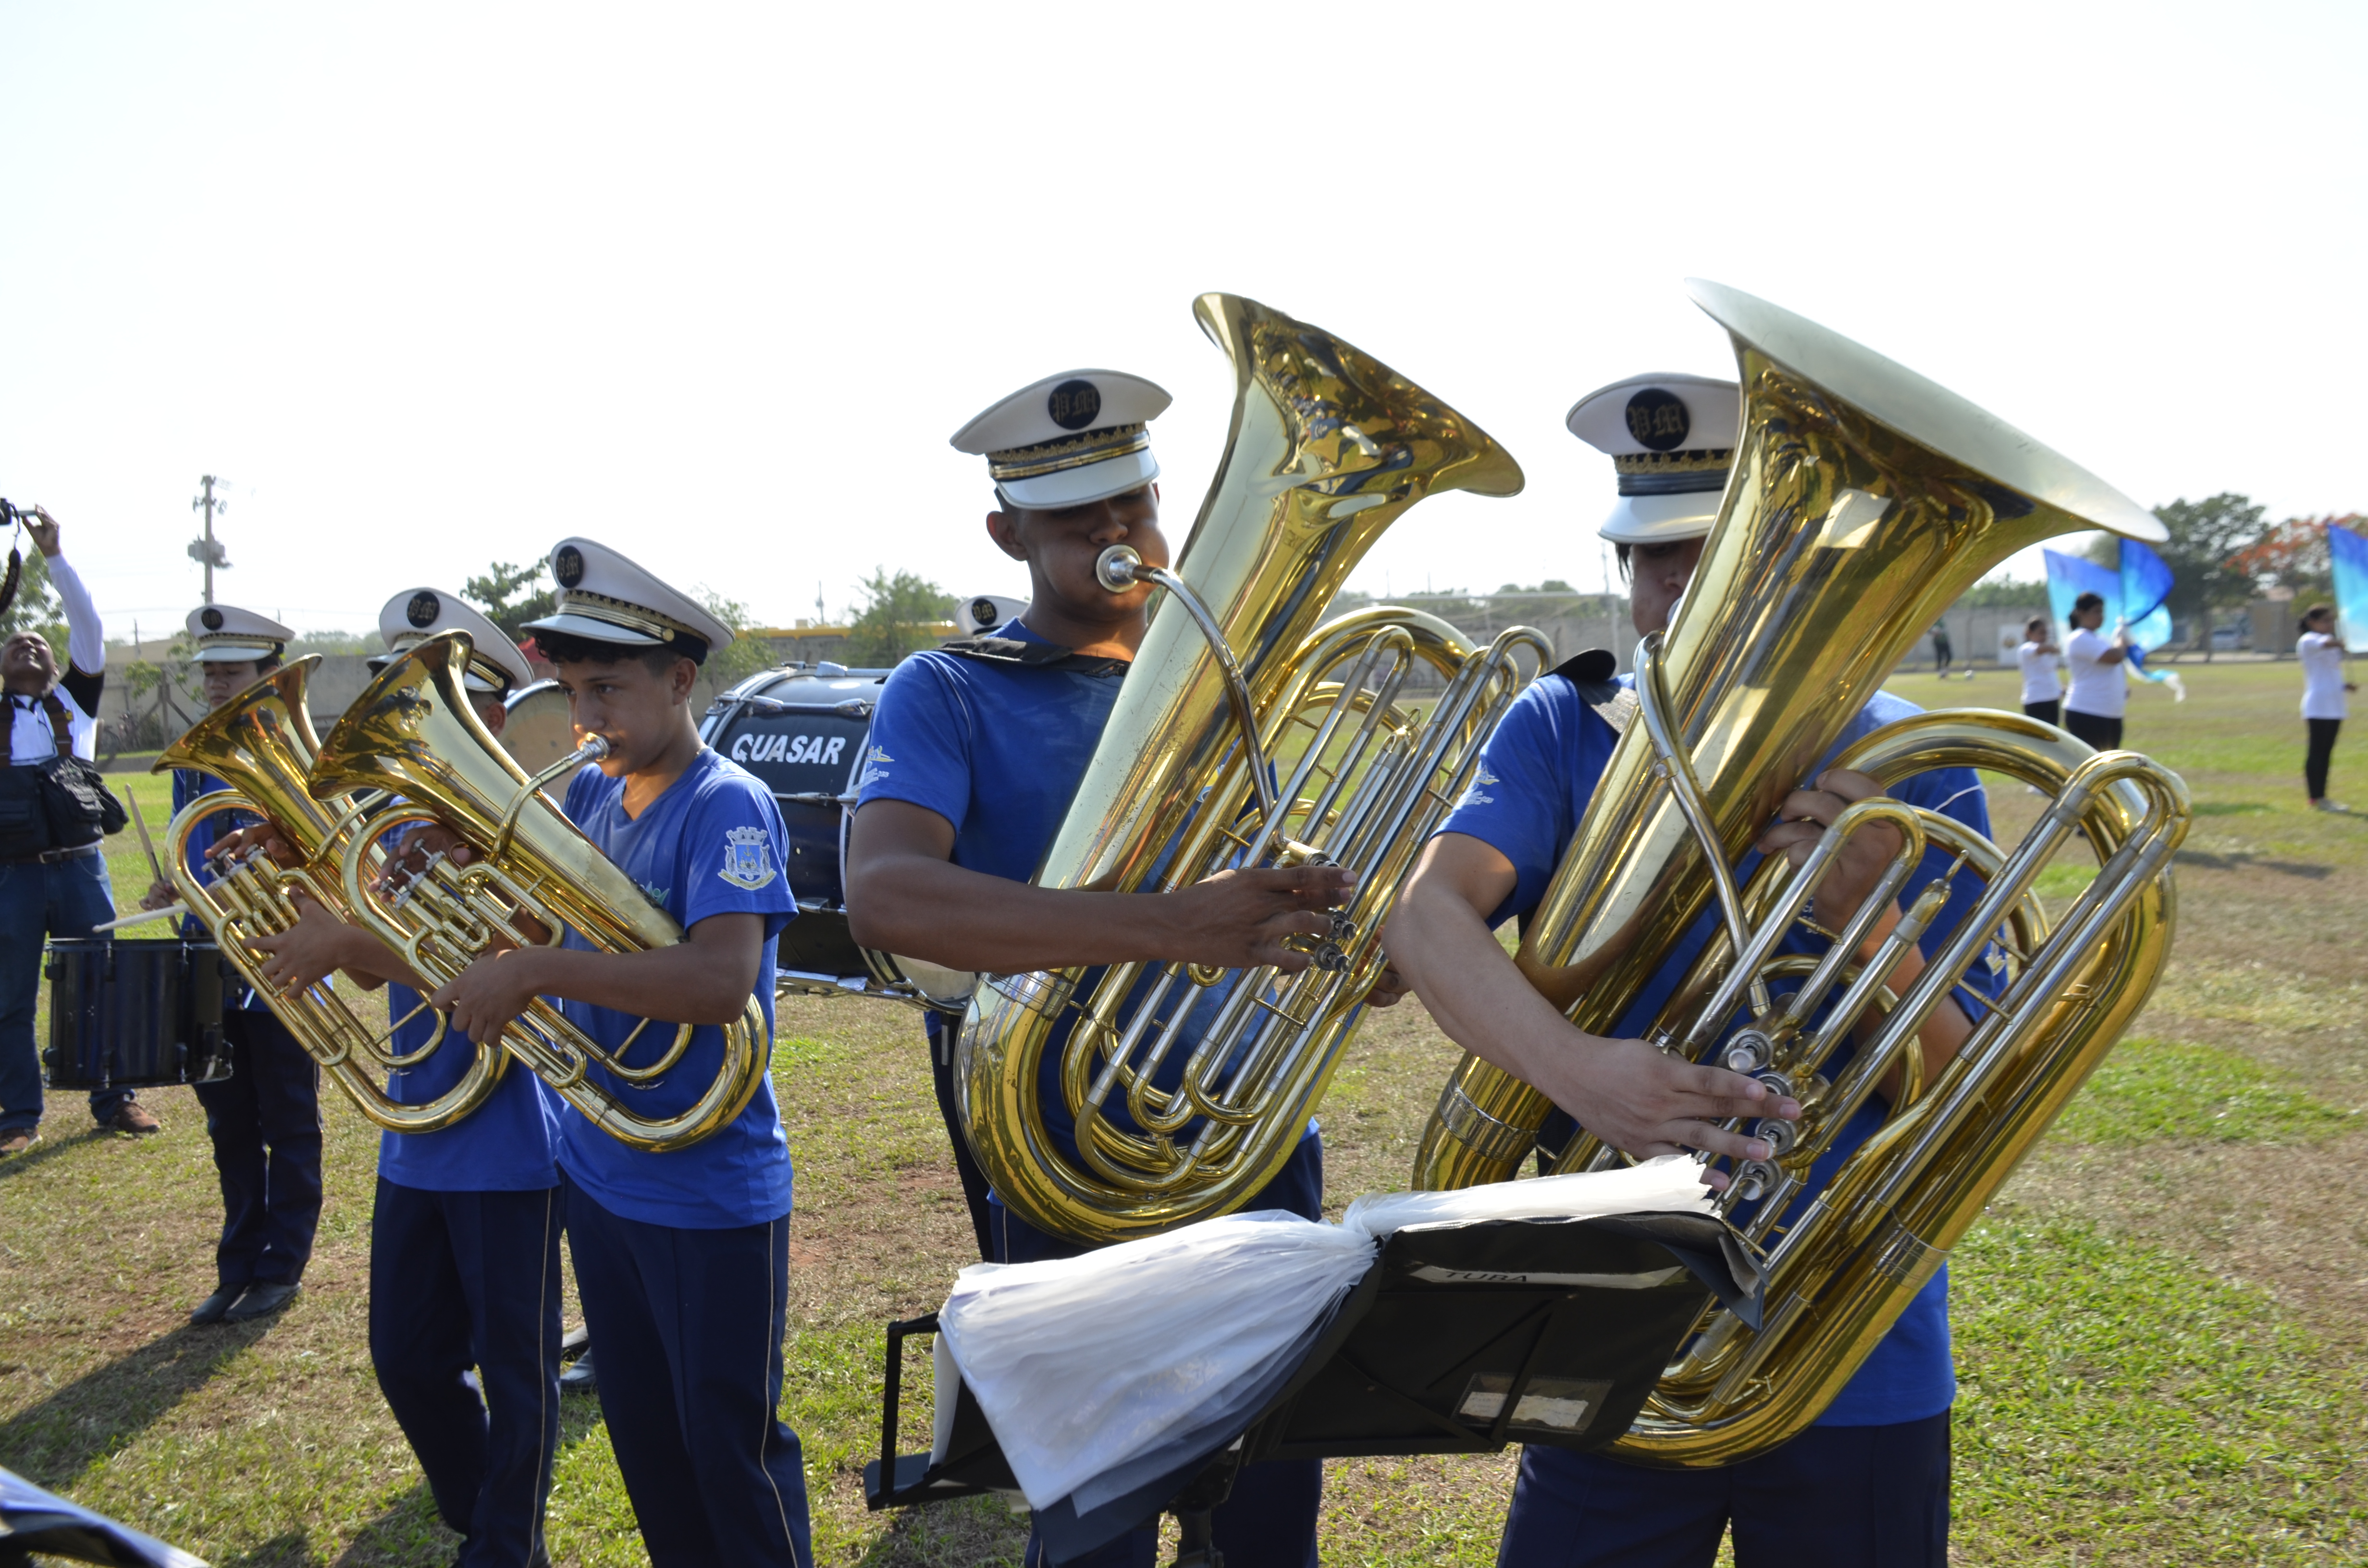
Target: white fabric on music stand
(1086, 1364)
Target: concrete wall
(337, 681)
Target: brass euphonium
(261, 744)
(1863, 500)
(414, 732)
(1328, 446)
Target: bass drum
(802, 729)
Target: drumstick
(135, 918)
(142, 823)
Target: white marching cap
(982, 613)
(1672, 439)
(225, 632)
(416, 614)
(607, 598)
(1068, 439)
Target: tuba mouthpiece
(1115, 568)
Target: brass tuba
(415, 733)
(261, 743)
(1864, 499)
(1328, 446)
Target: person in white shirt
(50, 885)
(2042, 690)
(2324, 706)
(2092, 709)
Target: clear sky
(434, 285)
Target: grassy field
(2162, 1326)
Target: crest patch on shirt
(747, 858)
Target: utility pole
(209, 551)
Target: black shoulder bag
(78, 806)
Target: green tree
(36, 606)
(900, 617)
(743, 656)
(2204, 536)
(2006, 592)
(498, 594)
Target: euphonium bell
(261, 743)
(1863, 500)
(414, 732)
(1328, 446)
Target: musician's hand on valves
(420, 845)
(486, 998)
(1804, 816)
(1637, 1099)
(235, 845)
(1237, 919)
(308, 952)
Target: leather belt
(52, 857)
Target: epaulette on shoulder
(1594, 674)
(1019, 653)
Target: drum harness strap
(1019, 653)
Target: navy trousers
(1833, 1497)
(265, 1121)
(464, 1281)
(37, 903)
(689, 1327)
(1268, 1522)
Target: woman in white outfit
(2092, 709)
(2042, 690)
(2324, 706)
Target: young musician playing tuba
(975, 753)
(1869, 1485)
(464, 1229)
(681, 1256)
(265, 1118)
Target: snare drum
(802, 729)
(131, 1011)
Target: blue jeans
(37, 903)
(1833, 1497)
(463, 1303)
(265, 1123)
(690, 1326)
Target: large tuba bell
(532, 877)
(1864, 499)
(1328, 446)
(261, 743)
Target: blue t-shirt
(712, 844)
(1537, 774)
(507, 1144)
(997, 748)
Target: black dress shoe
(579, 1377)
(216, 1307)
(260, 1301)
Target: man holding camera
(52, 865)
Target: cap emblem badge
(211, 618)
(1073, 404)
(423, 609)
(1658, 419)
(568, 566)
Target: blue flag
(2134, 595)
(2350, 554)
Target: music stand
(1458, 1339)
